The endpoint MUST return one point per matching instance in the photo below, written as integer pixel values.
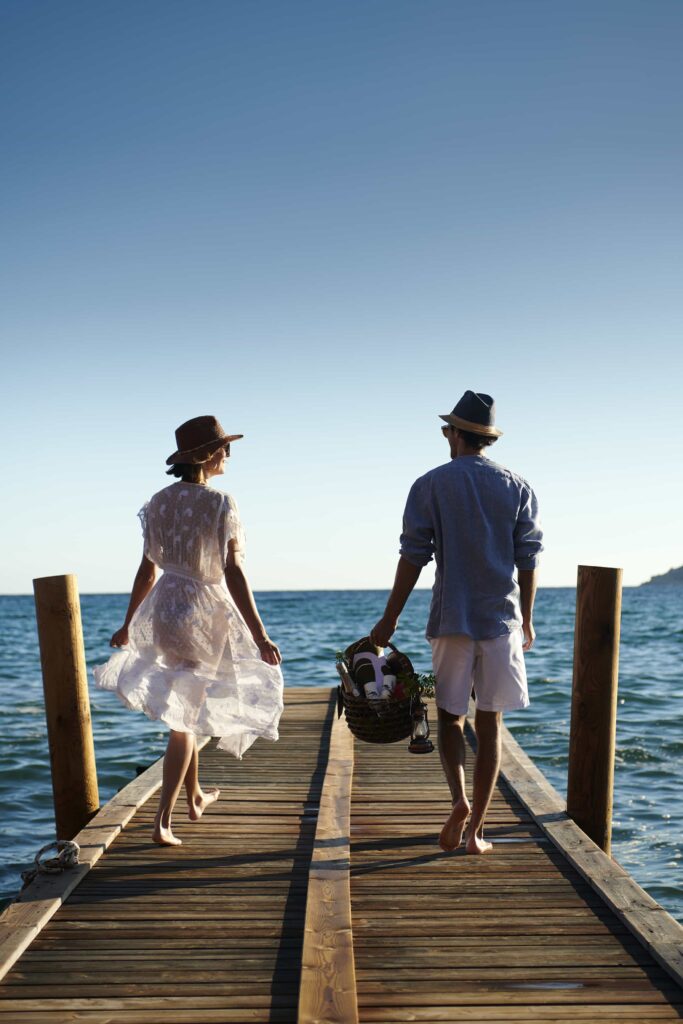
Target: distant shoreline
(672, 578)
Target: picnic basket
(378, 721)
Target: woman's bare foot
(451, 833)
(477, 844)
(198, 805)
(163, 836)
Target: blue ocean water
(310, 627)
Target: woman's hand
(240, 592)
(120, 637)
(270, 652)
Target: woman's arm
(240, 591)
(142, 584)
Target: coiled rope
(67, 857)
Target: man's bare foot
(198, 805)
(164, 837)
(477, 844)
(451, 833)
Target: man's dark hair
(477, 441)
(188, 472)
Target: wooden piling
(594, 702)
(67, 705)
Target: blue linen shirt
(479, 521)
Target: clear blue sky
(322, 222)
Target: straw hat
(198, 439)
(476, 413)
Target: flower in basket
(417, 684)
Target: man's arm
(407, 576)
(527, 593)
(528, 541)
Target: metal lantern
(420, 742)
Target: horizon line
(315, 590)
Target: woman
(198, 661)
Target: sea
(310, 626)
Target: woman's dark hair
(477, 441)
(188, 472)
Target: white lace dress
(191, 661)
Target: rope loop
(67, 857)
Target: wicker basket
(386, 721)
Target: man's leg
(488, 727)
(452, 753)
(453, 662)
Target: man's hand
(120, 637)
(527, 592)
(382, 632)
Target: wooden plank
(493, 1015)
(40, 900)
(656, 929)
(328, 983)
(167, 910)
(519, 935)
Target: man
(479, 521)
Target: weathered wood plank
(658, 932)
(24, 919)
(328, 983)
(519, 935)
(244, 862)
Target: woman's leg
(176, 762)
(197, 798)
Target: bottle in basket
(346, 680)
(368, 668)
(388, 682)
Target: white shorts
(495, 668)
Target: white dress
(191, 661)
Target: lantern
(420, 742)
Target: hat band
(473, 428)
(216, 440)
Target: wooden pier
(314, 891)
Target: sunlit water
(310, 627)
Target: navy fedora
(475, 412)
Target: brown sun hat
(476, 413)
(198, 439)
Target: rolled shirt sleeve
(528, 535)
(417, 538)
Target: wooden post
(594, 702)
(67, 706)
